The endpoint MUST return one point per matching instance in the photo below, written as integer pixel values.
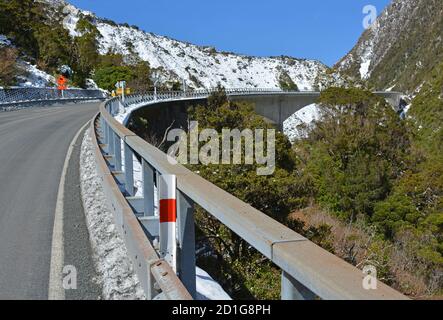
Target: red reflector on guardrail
(168, 210)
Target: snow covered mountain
(200, 67)
(400, 48)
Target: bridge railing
(27, 95)
(203, 93)
(308, 271)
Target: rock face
(199, 66)
(400, 48)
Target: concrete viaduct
(277, 107)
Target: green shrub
(354, 152)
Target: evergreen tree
(86, 55)
(140, 80)
(18, 18)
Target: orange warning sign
(62, 83)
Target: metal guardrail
(308, 271)
(204, 93)
(156, 277)
(16, 96)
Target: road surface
(33, 148)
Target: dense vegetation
(416, 201)
(354, 153)
(38, 33)
(112, 68)
(365, 164)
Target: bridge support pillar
(291, 289)
(186, 243)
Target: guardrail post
(148, 189)
(186, 243)
(168, 219)
(117, 153)
(129, 170)
(102, 133)
(291, 289)
(110, 141)
(104, 128)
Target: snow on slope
(363, 54)
(34, 77)
(294, 127)
(366, 61)
(201, 67)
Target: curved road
(33, 148)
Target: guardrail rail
(17, 96)
(308, 271)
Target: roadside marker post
(121, 87)
(168, 219)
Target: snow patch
(294, 125)
(364, 69)
(73, 15)
(208, 288)
(34, 77)
(366, 61)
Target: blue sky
(315, 29)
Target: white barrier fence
(16, 96)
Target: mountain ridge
(200, 66)
(400, 49)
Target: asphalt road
(33, 148)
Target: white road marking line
(56, 291)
